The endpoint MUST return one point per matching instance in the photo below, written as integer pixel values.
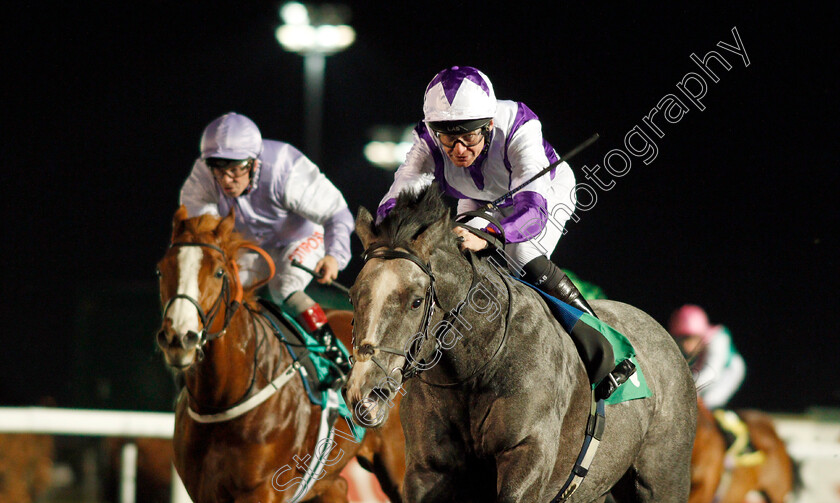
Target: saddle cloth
(314, 366)
(568, 316)
(739, 448)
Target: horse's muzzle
(369, 407)
(179, 350)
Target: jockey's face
(690, 345)
(460, 154)
(233, 177)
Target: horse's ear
(430, 238)
(364, 227)
(225, 227)
(178, 221)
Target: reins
(495, 353)
(232, 299)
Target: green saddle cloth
(322, 368)
(636, 386)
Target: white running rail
(99, 423)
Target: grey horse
(496, 398)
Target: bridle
(232, 301)
(231, 298)
(412, 367)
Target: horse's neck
(226, 373)
(472, 335)
(453, 275)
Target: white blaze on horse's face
(385, 317)
(375, 308)
(184, 315)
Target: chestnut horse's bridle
(232, 299)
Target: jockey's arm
(310, 194)
(717, 356)
(527, 156)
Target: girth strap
(594, 430)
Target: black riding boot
(595, 350)
(569, 293)
(310, 314)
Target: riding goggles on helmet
(231, 167)
(468, 140)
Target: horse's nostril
(161, 338)
(190, 339)
(381, 393)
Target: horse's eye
(157, 272)
(220, 272)
(416, 303)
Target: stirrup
(614, 379)
(339, 365)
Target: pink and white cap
(231, 136)
(691, 320)
(458, 94)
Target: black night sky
(104, 106)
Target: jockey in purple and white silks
(512, 151)
(478, 148)
(282, 201)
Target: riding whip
(498, 241)
(318, 275)
(567, 156)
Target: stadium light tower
(314, 32)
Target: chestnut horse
(216, 337)
(714, 478)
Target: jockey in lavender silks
(284, 203)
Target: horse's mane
(412, 214)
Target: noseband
(411, 367)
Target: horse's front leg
(422, 485)
(336, 492)
(435, 467)
(523, 471)
(260, 495)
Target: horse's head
(393, 300)
(198, 282)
